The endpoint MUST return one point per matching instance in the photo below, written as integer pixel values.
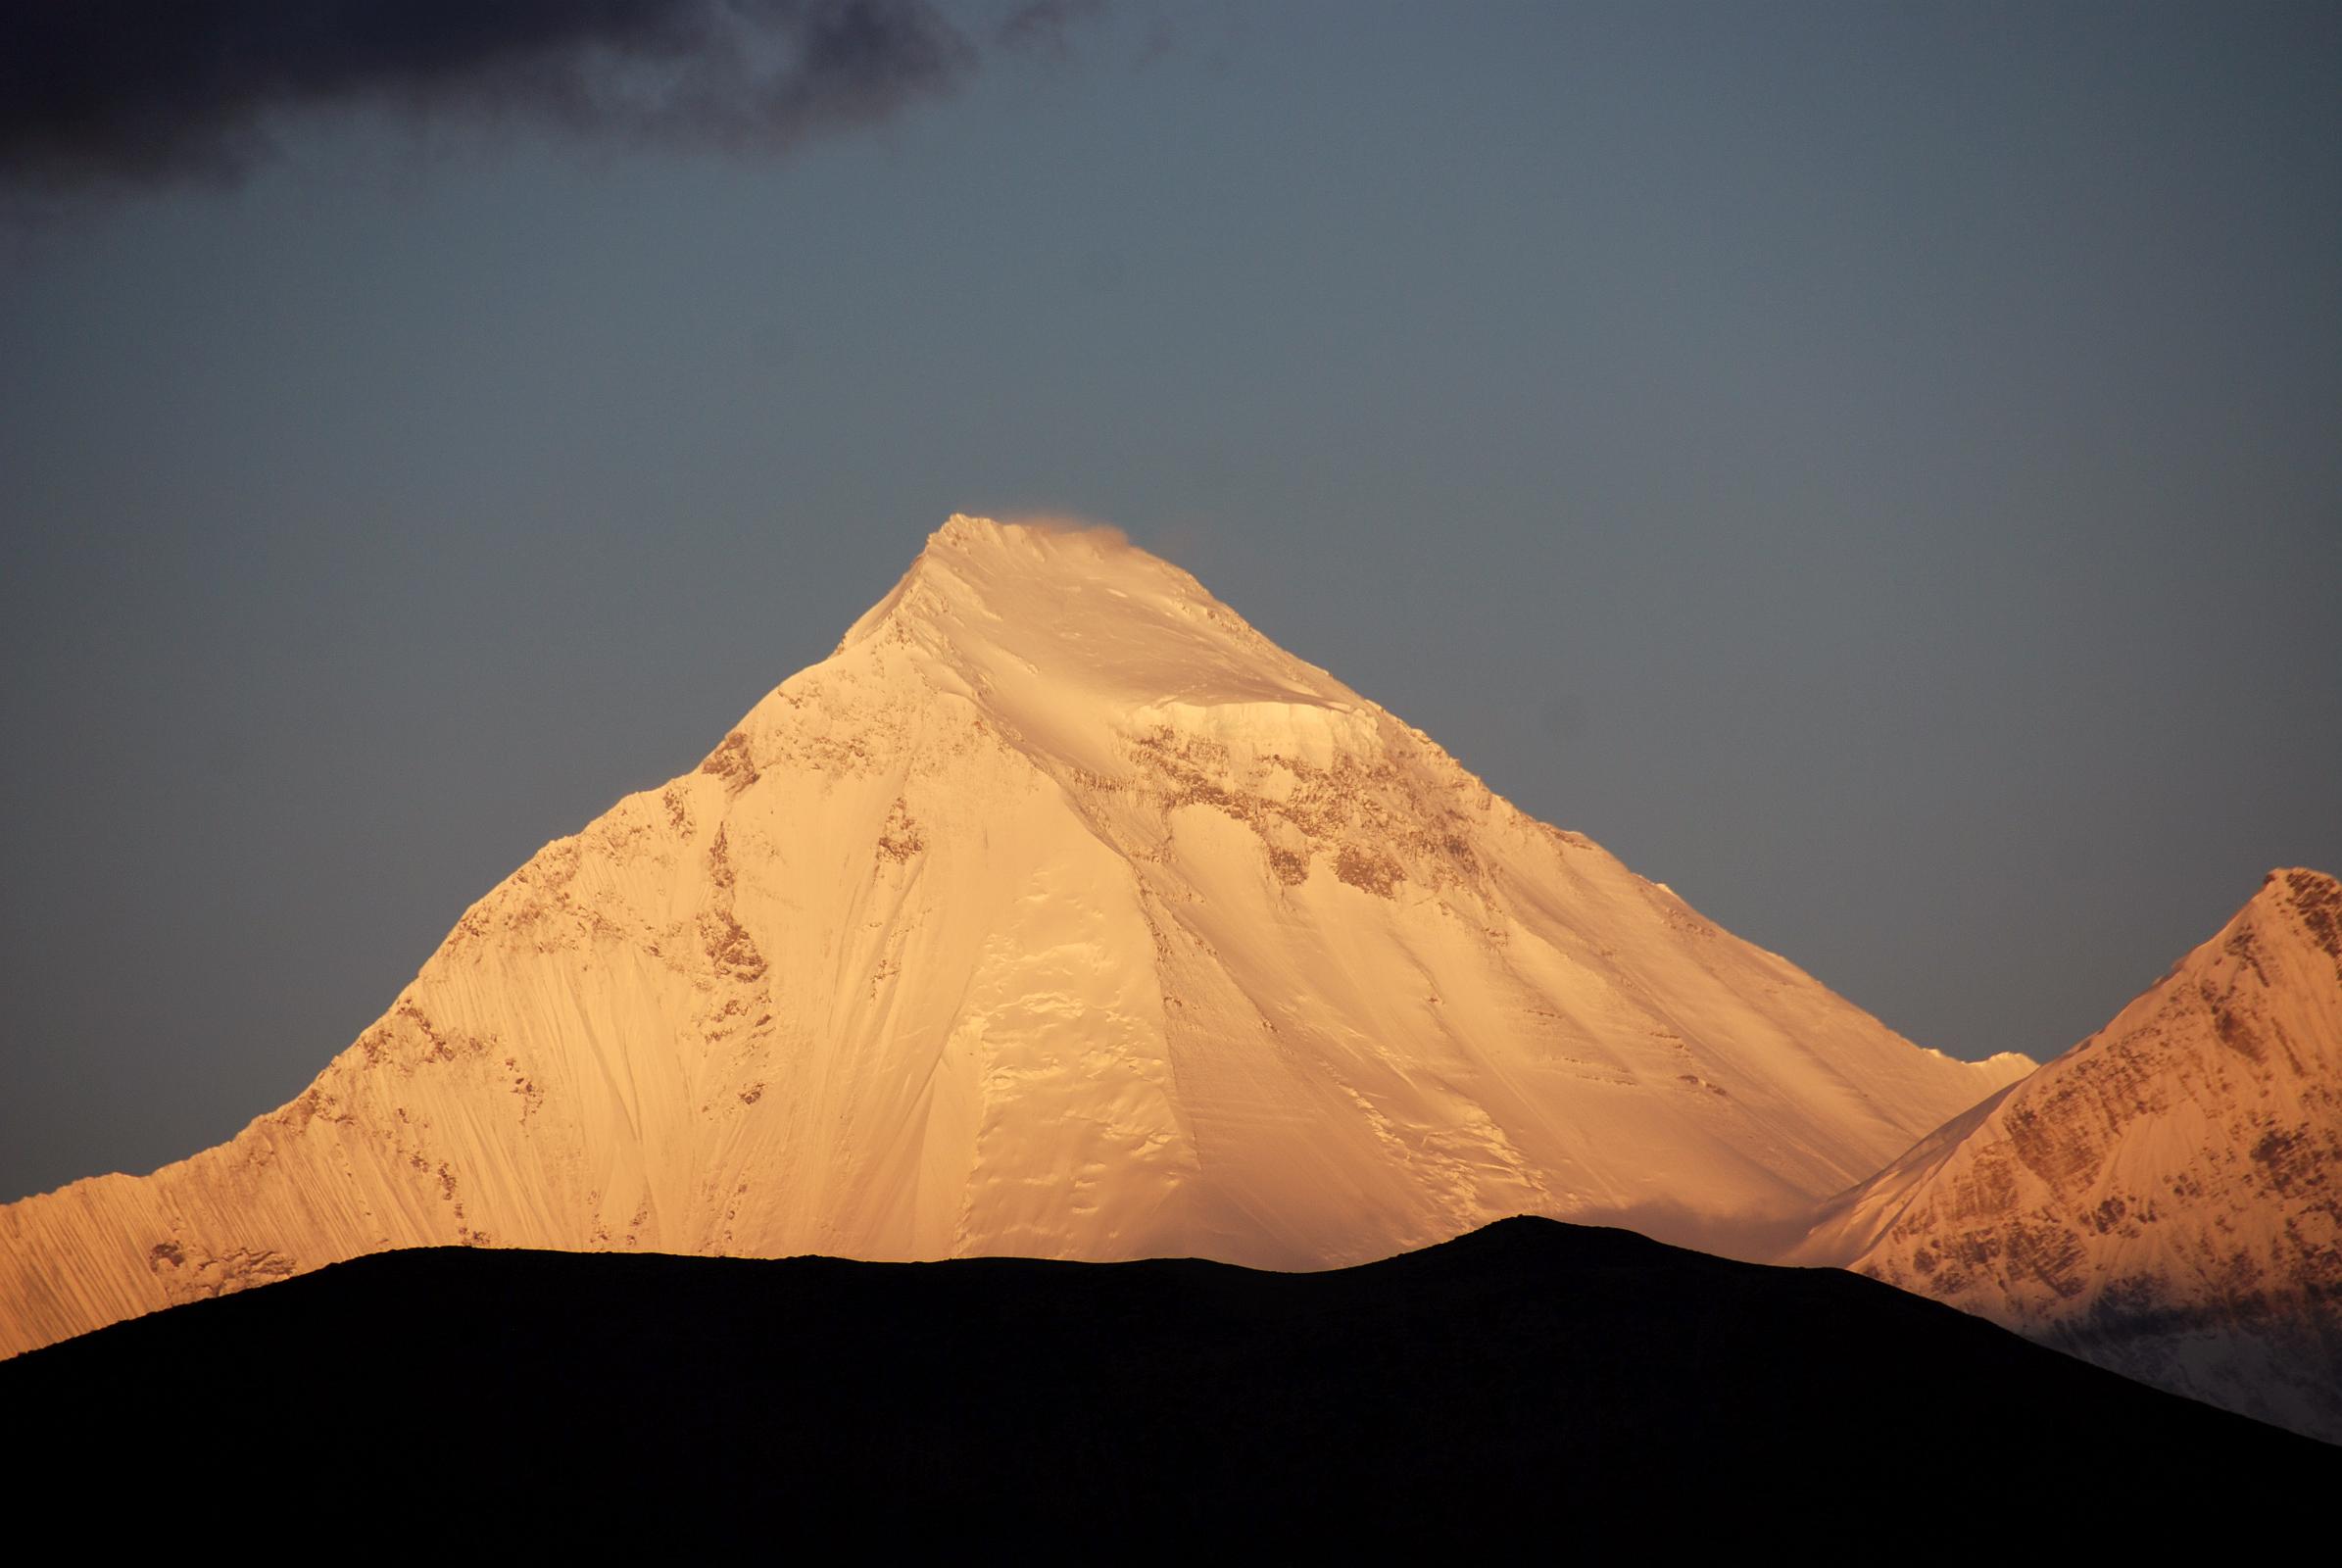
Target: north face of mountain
(1061, 913)
(2165, 1198)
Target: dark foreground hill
(1534, 1378)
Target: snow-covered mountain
(2164, 1199)
(1057, 912)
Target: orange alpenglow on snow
(1060, 913)
(2164, 1199)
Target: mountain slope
(1059, 913)
(1531, 1377)
(2164, 1199)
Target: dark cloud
(1046, 24)
(111, 91)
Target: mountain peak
(1038, 539)
(2157, 1199)
(1058, 912)
(970, 548)
(962, 529)
(1069, 637)
(2311, 900)
(1039, 569)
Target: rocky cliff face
(2165, 1198)
(1058, 913)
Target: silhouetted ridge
(1533, 1241)
(1531, 1376)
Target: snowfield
(1057, 914)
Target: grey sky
(1877, 470)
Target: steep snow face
(2165, 1198)
(1057, 912)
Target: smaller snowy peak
(2162, 1198)
(2285, 940)
(2299, 900)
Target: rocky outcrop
(2165, 1198)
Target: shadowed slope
(1533, 1376)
